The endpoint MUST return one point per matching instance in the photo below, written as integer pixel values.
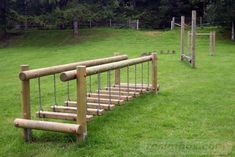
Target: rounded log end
(63, 77)
(22, 76)
(16, 123)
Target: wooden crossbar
(67, 109)
(106, 96)
(58, 115)
(48, 126)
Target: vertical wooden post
(81, 103)
(25, 94)
(110, 23)
(233, 34)
(173, 22)
(154, 73)
(211, 44)
(90, 23)
(75, 28)
(214, 42)
(137, 24)
(194, 16)
(171, 25)
(117, 73)
(182, 36)
(200, 21)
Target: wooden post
(171, 25)
(154, 73)
(110, 23)
(75, 28)
(211, 44)
(173, 22)
(214, 42)
(90, 23)
(117, 73)
(81, 103)
(233, 34)
(137, 24)
(182, 36)
(200, 21)
(25, 94)
(194, 16)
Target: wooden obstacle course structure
(191, 58)
(212, 40)
(173, 24)
(26, 75)
(88, 104)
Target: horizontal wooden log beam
(116, 88)
(106, 96)
(95, 106)
(57, 115)
(121, 93)
(35, 73)
(70, 75)
(67, 109)
(48, 126)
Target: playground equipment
(212, 37)
(190, 57)
(88, 103)
(173, 23)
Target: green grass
(195, 107)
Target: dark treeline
(151, 13)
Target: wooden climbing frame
(191, 58)
(88, 103)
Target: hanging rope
(142, 76)
(90, 91)
(148, 75)
(39, 96)
(135, 79)
(127, 81)
(55, 90)
(68, 93)
(109, 86)
(98, 78)
(119, 87)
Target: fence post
(110, 23)
(211, 44)
(200, 21)
(75, 28)
(90, 23)
(154, 73)
(137, 24)
(25, 96)
(81, 103)
(182, 36)
(214, 42)
(173, 23)
(117, 73)
(194, 17)
(233, 34)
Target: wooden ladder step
(67, 109)
(106, 96)
(48, 126)
(126, 89)
(101, 106)
(116, 92)
(57, 115)
(92, 105)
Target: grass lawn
(193, 115)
